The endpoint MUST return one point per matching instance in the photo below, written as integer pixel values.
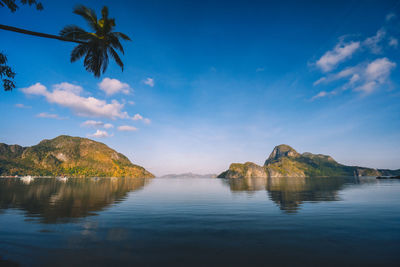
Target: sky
(208, 83)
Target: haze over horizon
(207, 84)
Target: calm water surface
(200, 222)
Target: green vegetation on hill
(284, 161)
(66, 155)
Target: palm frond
(104, 61)
(114, 41)
(94, 58)
(78, 52)
(88, 14)
(117, 59)
(104, 13)
(122, 36)
(75, 33)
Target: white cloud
(108, 126)
(379, 70)
(69, 87)
(149, 82)
(68, 95)
(320, 80)
(131, 103)
(340, 75)
(127, 128)
(36, 89)
(49, 116)
(96, 124)
(99, 134)
(319, 95)
(367, 87)
(373, 42)
(354, 78)
(91, 123)
(340, 53)
(365, 77)
(137, 117)
(21, 106)
(113, 86)
(390, 16)
(346, 72)
(393, 42)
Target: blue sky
(208, 83)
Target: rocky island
(284, 161)
(67, 155)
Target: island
(284, 161)
(67, 156)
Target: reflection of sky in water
(232, 222)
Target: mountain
(189, 175)
(66, 155)
(284, 161)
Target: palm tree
(98, 45)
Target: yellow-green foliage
(73, 156)
(287, 167)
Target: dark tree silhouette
(6, 74)
(98, 45)
(13, 4)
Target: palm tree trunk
(39, 34)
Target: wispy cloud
(390, 16)
(376, 74)
(259, 69)
(340, 53)
(149, 81)
(393, 42)
(319, 95)
(373, 42)
(139, 117)
(19, 105)
(68, 95)
(127, 128)
(365, 77)
(113, 86)
(99, 134)
(97, 124)
(50, 116)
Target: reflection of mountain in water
(55, 201)
(290, 192)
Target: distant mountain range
(284, 161)
(70, 156)
(189, 175)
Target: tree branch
(39, 34)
